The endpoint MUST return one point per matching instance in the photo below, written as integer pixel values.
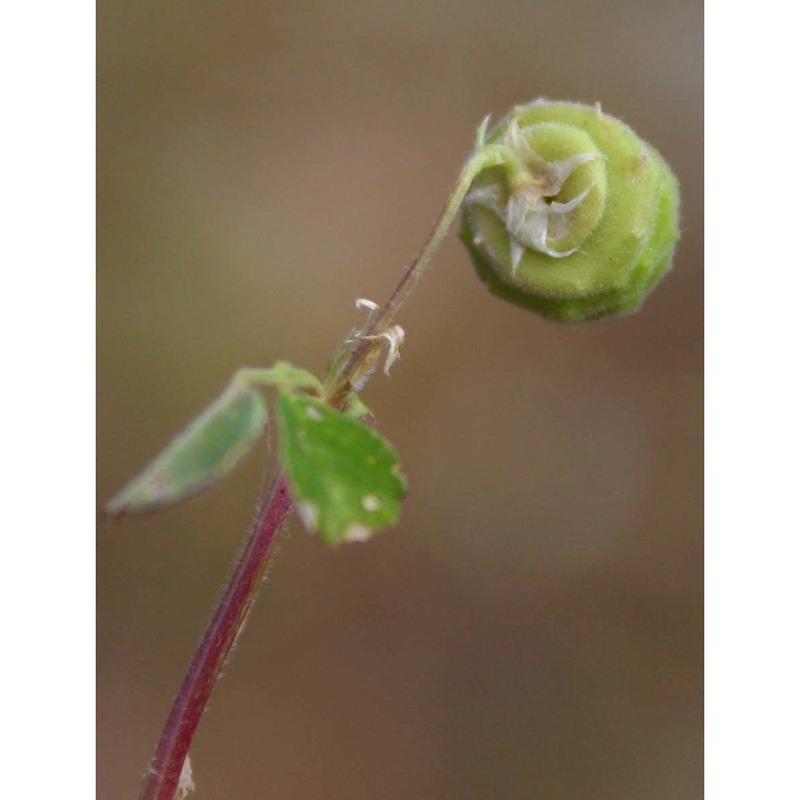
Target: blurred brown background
(532, 628)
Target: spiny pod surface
(574, 216)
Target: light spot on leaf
(370, 502)
(357, 533)
(309, 513)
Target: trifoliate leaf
(343, 475)
(207, 450)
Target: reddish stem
(165, 768)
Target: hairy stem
(414, 271)
(165, 769)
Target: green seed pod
(575, 218)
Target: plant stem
(165, 769)
(228, 620)
(414, 271)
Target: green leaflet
(213, 444)
(208, 449)
(343, 475)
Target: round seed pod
(576, 218)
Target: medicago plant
(564, 211)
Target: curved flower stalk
(579, 218)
